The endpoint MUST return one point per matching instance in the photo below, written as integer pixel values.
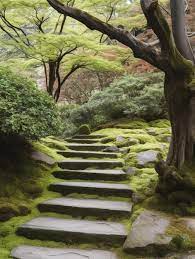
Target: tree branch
(140, 49)
(14, 28)
(191, 34)
(60, 83)
(172, 57)
(179, 29)
(107, 20)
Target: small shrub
(25, 110)
(84, 129)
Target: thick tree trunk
(171, 175)
(178, 98)
(51, 77)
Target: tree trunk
(51, 77)
(179, 29)
(179, 106)
(178, 96)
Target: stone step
(87, 207)
(33, 252)
(85, 147)
(85, 163)
(69, 231)
(103, 189)
(106, 175)
(87, 154)
(82, 141)
(97, 136)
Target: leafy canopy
(38, 38)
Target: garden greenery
(135, 96)
(25, 110)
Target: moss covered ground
(24, 188)
(140, 136)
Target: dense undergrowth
(25, 110)
(138, 96)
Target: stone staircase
(87, 170)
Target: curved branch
(156, 20)
(179, 29)
(140, 49)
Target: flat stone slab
(87, 154)
(103, 189)
(79, 231)
(87, 163)
(84, 147)
(41, 157)
(86, 207)
(146, 157)
(149, 229)
(82, 140)
(33, 252)
(95, 136)
(92, 174)
(150, 233)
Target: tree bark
(51, 77)
(179, 29)
(179, 106)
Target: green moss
(183, 237)
(107, 140)
(133, 124)
(21, 201)
(130, 160)
(188, 174)
(160, 124)
(47, 150)
(21, 184)
(144, 138)
(144, 181)
(181, 242)
(147, 146)
(114, 132)
(84, 129)
(54, 143)
(36, 174)
(8, 210)
(137, 210)
(164, 138)
(158, 131)
(32, 188)
(191, 209)
(174, 204)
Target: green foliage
(25, 110)
(135, 96)
(84, 129)
(47, 38)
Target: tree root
(170, 180)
